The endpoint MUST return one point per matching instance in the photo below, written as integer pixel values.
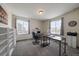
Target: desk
(45, 41)
(61, 40)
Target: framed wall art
(72, 23)
(3, 16)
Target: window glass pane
(52, 30)
(22, 26)
(26, 27)
(55, 27)
(58, 27)
(19, 26)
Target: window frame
(23, 19)
(55, 29)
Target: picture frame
(72, 23)
(3, 16)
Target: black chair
(36, 38)
(38, 31)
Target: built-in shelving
(7, 41)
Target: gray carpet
(26, 48)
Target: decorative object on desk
(3, 16)
(72, 23)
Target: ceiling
(50, 9)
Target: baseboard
(23, 40)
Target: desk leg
(49, 40)
(46, 40)
(59, 48)
(41, 40)
(65, 47)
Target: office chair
(36, 38)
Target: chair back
(33, 34)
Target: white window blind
(22, 26)
(55, 27)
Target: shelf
(3, 34)
(6, 33)
(3, 37)
(11, 36)
(7, 43)
(10, 40)
(10, 44)
(4, 53)
(11, 32)
(3, 48)
(2, 41)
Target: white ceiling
(50, 9)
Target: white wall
(33, 24)
(73, 15)
(44, 25)
(11, 23)
(70, 16)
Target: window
(22, 26)
(55, 27)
